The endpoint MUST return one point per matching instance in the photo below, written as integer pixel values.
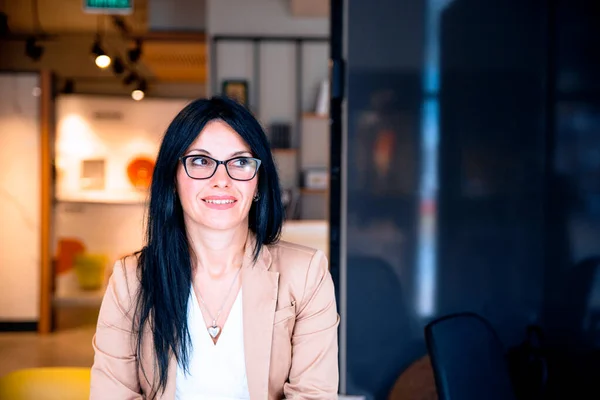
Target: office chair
(468, 359)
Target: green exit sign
(108, 6)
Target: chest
(215, 371)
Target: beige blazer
(290, 330)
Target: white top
(217, 371)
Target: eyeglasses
(204, 167)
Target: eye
(200, 161)
(241, 162)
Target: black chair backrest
(468, 359)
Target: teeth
(219, 201)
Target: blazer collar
(264, 258)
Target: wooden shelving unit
(282, 151)
(309, 130)
(313, 191)
(314, 115)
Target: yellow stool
(53, 383)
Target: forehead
(219, 138)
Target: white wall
(19, 198)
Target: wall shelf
(310, 115)
(313, 191)
(282, 150)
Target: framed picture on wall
(92, 174)
(236, 89)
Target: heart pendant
(214, 331)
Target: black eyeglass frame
(183, 160)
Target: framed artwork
(236, 89)
(92, 174)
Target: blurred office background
(444, 153)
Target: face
(219, 202)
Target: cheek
(187, 188)
(182, 185)
(250, 191)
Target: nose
(221, 178)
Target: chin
(222, 224)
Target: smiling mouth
(219, 201)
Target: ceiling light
(137, 95)
(139, 92)
(102, 60)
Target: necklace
(215, 330)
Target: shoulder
(125, 272)
(124, 282)
(293, 253)
(298, 266)
(289, 257)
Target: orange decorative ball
(139, 172)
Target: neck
(217, 253)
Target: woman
(214, 306)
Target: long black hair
(164, 264)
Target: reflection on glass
(428, 179)
(577, 186)
(426, 248)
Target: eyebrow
(235, 154)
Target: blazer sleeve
(114, 373)
(314, 373)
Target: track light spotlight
(4, 24)
(118, 66)
(140, 91)
(32, 49)
(135, 53)
(102, 60)
(130, 78)
(69, 86)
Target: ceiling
(174, 52)
(64, 16)
(169, 58)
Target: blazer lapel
(259, 298)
